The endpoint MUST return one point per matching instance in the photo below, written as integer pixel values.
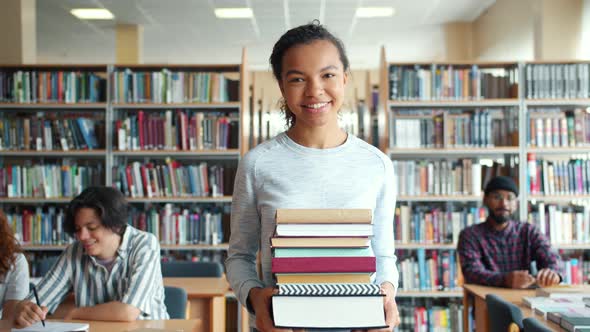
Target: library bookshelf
(544, 152)
(168, 97)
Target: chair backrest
(45, 265)
(533, 325)
(187, 269)
(502, 313)
(175, 300)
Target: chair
(187, 269)
(45, 265)
(503, 315)
(175, 300)
(533, 325)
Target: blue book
(87, 129)
(422, 267)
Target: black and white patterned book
(329, 289)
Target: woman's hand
(390, 307)
(260, 298)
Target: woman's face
(313, 82)
(98, 241)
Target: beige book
(326, 278)
(324, 216)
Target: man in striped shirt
(113, 269)
(499, 251)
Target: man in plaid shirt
(499, 251)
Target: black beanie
(501, 183)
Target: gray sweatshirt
(283, 174)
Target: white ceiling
(187, 31)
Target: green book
(323, 252)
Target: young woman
(314, 164)
(113, 269)
(14, 271)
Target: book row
(558, 177)
(438, 318)
(440, 177)
(44, 132)
(431, 270)
(576, 271)
(558, 128)
(170, 178)
(424, 224)
(562, 224)
(168, 86)
(51, 87)
(557, 81)
(447, 82)
(182, 130)
(48, 180)
(453, 128)
(170, 224)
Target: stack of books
(567, 306)
(323, 266)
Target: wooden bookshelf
(454, 103)
(427, 246)
(471, 152)
(111, 110)
(559, 150)
(440, 198)
(430, 294)
(188, 199)
(204, 106)
(54, 153)
(54, 106)
(557, 102)
(558, 198)
(178, 153)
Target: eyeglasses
(498, 197)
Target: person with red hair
(14, 271)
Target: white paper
(54, 327)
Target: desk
(476, 295)
(193, 325)
(206, 300)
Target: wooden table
(476, 295)
(192, 325)
(206, 300)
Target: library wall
(18, 29)
(505, 31)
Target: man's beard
(499, 219)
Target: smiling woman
(314, 164)
(113, 268)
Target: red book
(323, 264)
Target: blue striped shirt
(135, 278)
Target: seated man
(499, 251)
(113, 269)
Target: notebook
(54, 327)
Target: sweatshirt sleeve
(383, 239)
(244, 241)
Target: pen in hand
(38, 303)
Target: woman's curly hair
(9, 247)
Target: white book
(324, 230)
(344, 312)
